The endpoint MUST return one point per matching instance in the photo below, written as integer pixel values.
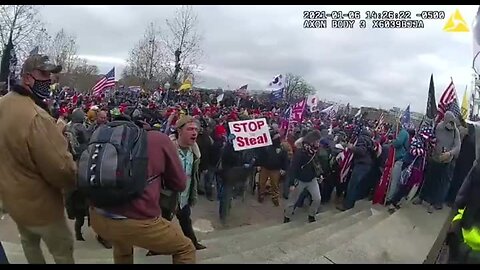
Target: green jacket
(401, 144)
(193, 195)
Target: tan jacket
(35, 164)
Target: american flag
(346, 163)
(107, 81)
(448, 102)
(380, 123)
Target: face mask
(42, 88)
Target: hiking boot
(438, 206)
(199, 246)
(430, 209)
(286, 220)
(311, 219)
(341, 208)
(417, 201)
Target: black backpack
(112, 171)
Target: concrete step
(289, 244)
(15, 255)
(405, 237)
(252, 243)
(313, 253)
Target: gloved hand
(247, 166)
(282, 172)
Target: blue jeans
(232, 181)
(358, 174)
(3, 256)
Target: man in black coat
(463, 163)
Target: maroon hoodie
(162, 160)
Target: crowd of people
(45, 133)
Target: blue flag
(277, 94)
(405, 119)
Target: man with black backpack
(123, 172)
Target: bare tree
(296, 87)
(82, 77)
(81, 66)
(146, 59)
(183, 41)
(18, 25)
(63, 50)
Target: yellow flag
(464, 108)
(187, 85)
(456, 23)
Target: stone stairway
(364, 234)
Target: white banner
(249, 134)
(312, 102)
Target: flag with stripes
(346, 163)
(107, 81)
(448, 102)
(382, 188)
(380, 123)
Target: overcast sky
(252, 44)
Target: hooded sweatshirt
(447, 140)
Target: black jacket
(465, 157)
(204, 142)
(468, 198)
(301, 168)
(363, 150)
(215, 153)
(273, 158)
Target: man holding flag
(401, 145)
(440, 166)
